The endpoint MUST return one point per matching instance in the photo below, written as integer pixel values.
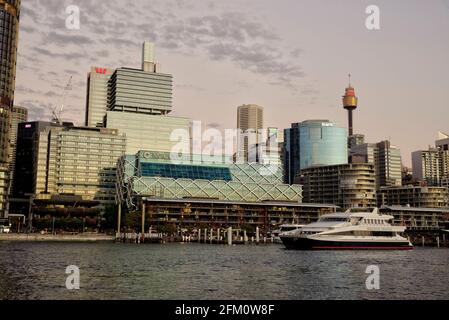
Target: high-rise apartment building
(386, 159)
(97, 96)
(57, 159)
(250, 124)
(442, 144)
(19, 115)
(432, 165)
(347, 185)
(314, 143)
(9, 35)
(426, 166)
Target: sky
(292, 57)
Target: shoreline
(37, 237)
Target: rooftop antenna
(349, 76)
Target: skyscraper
(9, 30)
(139, 103)
(97, 96)
(249, 123)
(143, 91)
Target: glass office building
(322, 143)
(314, 143)
(147, 132)
(154, 174)
(9, 33)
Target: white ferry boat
(284, 228)
(348, 230)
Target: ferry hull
(313, 244)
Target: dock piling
(230, 236)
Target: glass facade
(153, 174)
(9, 32)
(184, 171)
(322, 143)
(146, 132)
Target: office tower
(55, 159)
(314, 143)
(139, 102)
(347, 185)
(249, 123)
(9, 35)
(386, 159)
(426, 166)
(19, 114)
(350, 103)
(143, 91)
(97, 96)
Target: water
(200, 271)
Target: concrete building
(249, 121)
(57, 159)
(314, 143)
(347, 185)
(442, 144)
(139, 91)
(426, 166)
(97, 96)
(414, 196)
(214, 213)
(9, 35)
(386, 159)
(154, 174)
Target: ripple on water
(199, 271)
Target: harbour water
(33, 270)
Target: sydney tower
(350, 104)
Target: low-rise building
(414, 196)
(155, 174)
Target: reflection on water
(200, 271)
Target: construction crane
(56, 114)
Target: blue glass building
(314, 143)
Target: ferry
(284, 228)
(353, 229)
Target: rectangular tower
(97, 96)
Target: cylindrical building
(9, 22)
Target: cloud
(111, 34)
